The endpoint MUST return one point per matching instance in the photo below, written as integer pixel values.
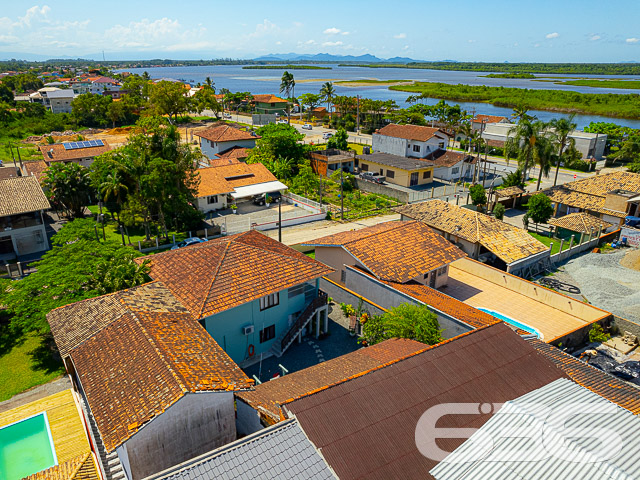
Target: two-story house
(409, 140)
(221, 138)
(269, 104)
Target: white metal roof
(257, 189)
(525, 439)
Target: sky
(489, 30)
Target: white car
(227, 115)
(327, 135)
(307, 126)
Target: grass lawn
(27, 152)
(24, 363)
(311, 254)
(547, 241)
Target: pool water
(513, 322)
(26, 447)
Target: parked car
(307, 126)
(327, 135)
(282, 121)
(188, 241)
(227, 115)
(274, 197)
(373, 177)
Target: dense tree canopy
(415, 322)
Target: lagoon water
(236, 79)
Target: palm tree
(544, 158)
(328, 92)
(523, 139)
(210, 84)
(520, 113)
(562, 127)
(287, 86)
(113, 187)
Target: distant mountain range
(327, 57)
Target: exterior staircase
(285, 340)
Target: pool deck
(480, 292)
(67, 428)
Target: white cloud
(472, 41)
(332, 31)
(345, 33)
(34, 13)
(332, 44)
(278, 42)
(310, 42)
(264, 28)
(552, 35)
(298, 24)
(406, 47)
(400, 35)
(632, 40)
(593, 38)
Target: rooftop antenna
(103, 56)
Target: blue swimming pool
(513, 322)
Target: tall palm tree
(523, 139)
(328, 92)
(520, 113)
(287, 86)
(113, 187)
(562, 127)
(543, 157)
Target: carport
(257, 189)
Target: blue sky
(489, 30)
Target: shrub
(498, 211)
(597, 334)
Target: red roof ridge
(213, 277)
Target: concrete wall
(536, 292)
(247, 418)
(532, 263)
(210, 149)
(28, 240)
(226, 327)
(632, 235)
(195, 424)
(373, 187)
(341, 294)
(400, 177)
(204, 206)
(624, 325)
(336, 257)
(392, 145)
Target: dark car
(373, 177)
(187, 242)
(274, 197)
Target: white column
(317, 314)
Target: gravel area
(606, 283)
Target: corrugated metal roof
(526, 439)
(282, 451)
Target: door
(432, 279)
(414, 179)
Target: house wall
(425, 148)
(392, 145)
(247, 418)
(204, 206)
(616, 202)
(28, 240)
(336, 257)
(60, 105)
(226, 327)
(195, 424)
(446, 173)
(400, 177)
(276, 107)
(210, 149)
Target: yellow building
(407, 172)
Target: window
(442, 271)
(297, 290)
(426, 174)
(212, 199)
(343, 276)
(267, 333)
(365, 167)
(391, 174)
(416, 148)
(269, 301)
(441, 145)
(455, 170)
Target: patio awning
(257, 189)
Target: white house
(479, 122)
(452, 166)
(101, 84)
(53, 98)
(409, 140)
(222, 137)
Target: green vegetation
(371, 81)
(499, 211)
(596, 334)
(548, 240)
(510, 75)
(570, 68)
(284, 67)
(416, 322)
(478, 196)
(628, 84)
(311, 254)
(607, 104)
(539, 209)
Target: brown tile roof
(496, 143)
(613, 389)
(81, 467)
(509, 191)
(61, 154)
(235, 153)
(267, 397)
(507, 242)
(138, 366)
(219, 162)
(366, 427)
(230, 271)
(8, 172)
(488, 119)
(225, 133)
(36, 168)
(212, 182)
(242, 174)
(73, 324)
(396, 251)
(411, 132)
(585, 201)
(268, 98)
(448, 158)
(21, 195)
(580, 222)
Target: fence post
(206, 234)
(157, 244)
(551, 247)
(431, 192)
(581, 237)
(139, 245)
(571, 242)
(561, 244)
(174, 238)
(8, 270)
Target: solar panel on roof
(83, 144)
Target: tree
(168, 98)
(116, 112)
(524, 139)
(498, 211)
(67, 273)
(478, 196)
(306, 181)
(280, 141)
(513, 179)
(539, 209)
(562, 127)
(415, 322)
(205, 99)
(287, 86)
(311, 100)
(520, 114)
(328, 92)
(68, 187)
(91, 110)
(340, 140)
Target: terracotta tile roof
(613, 389)
(225, 133)
(507, 242)
(396, 251)
(366, 427)
(268, 98)
(138, 366)
(488, 119)
(585, 201)
(21, 195)
(81, 467)
(36, 168)
(73, 324)
(235, 152)
(8, 172)
(219, 162)
(242, 174)
(580, 222)
(60, 154)
(448, 158)
(411, 132)
(496, 143)
(267, 397)
(509, 191)
(212, 182)
(230, 271)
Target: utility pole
(280, 220)
(341, 195)
(357, 116)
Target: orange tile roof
(36, 168)
(230, 271)
(580, 222)
(411, 132)
(488, 119)
(397, 251)
(268, 98)
(212, 182)
(57, 153)
(225, 133)
(448, 158)
(81, 467)
(267, 397)
(235, 152)
(242, 174)
(219, 162)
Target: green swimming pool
(26, 447)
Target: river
(257, 81)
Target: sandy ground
(380, 83)
(631, 260)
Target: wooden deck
(67, 428)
